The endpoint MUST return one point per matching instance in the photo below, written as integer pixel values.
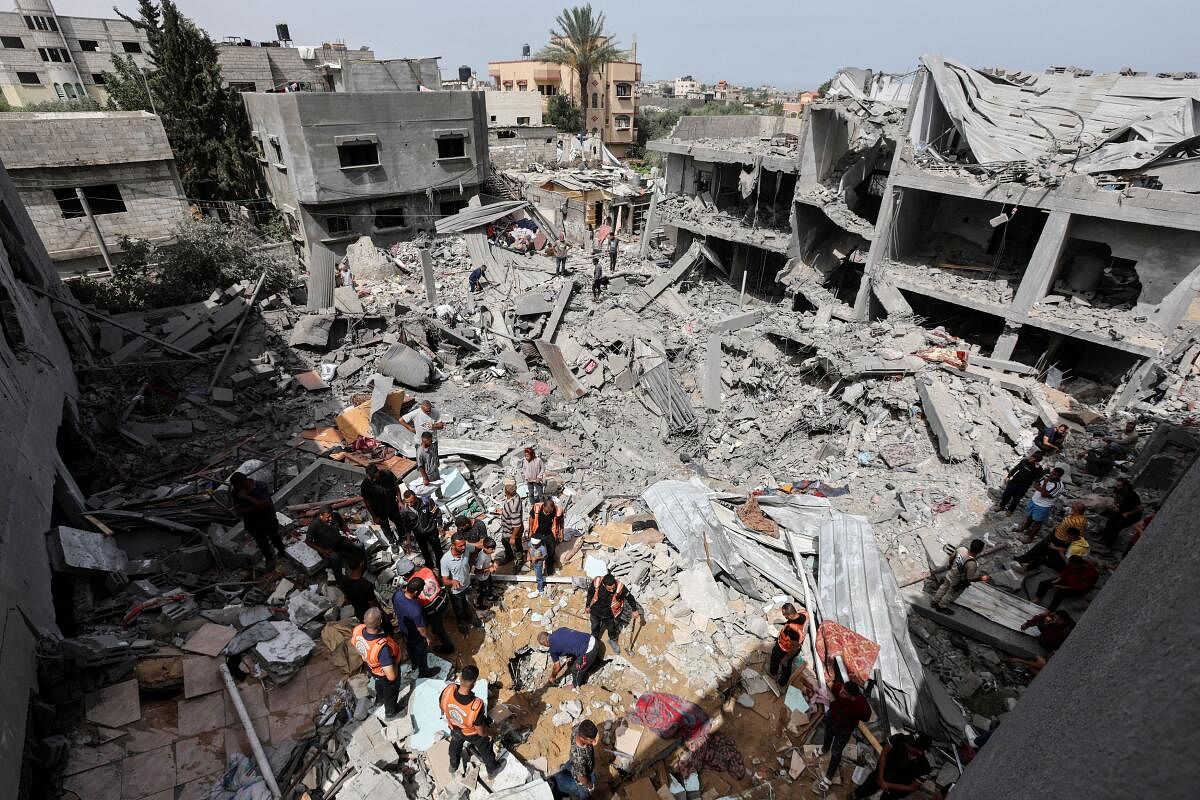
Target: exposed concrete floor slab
(114, 706)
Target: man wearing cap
(570, 648)
(381, 654)
(606, 599)
(468, 721)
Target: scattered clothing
(672, 717)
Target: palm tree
(580, 42)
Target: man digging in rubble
(381, 654)
(848, 708)
(468, 722)
(902, 765)
(606, 599)
(456, 574)
(1050, 440)
(512, 525)
(788, 644)
(963, 571)
(381, 495)
(252, 502)
(430, 596)
(570, 648)
(328, 535)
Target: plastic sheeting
(1075, 120)
(856, 588)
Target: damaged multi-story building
(1048, 219)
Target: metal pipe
(87, 210)
(260, 757)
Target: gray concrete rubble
(805, 378)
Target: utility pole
(87, 210)
(146, 83)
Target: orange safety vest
(617, 605)
(535, 514)
(432, 587)
(369, 649)
(788, 645)
(460, 716)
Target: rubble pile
(768, 222)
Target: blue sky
(789, 43)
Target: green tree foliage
(776, 109)
(824, 87)
(580, 42)
(205, 121)
(652, 125)
(205, 256)
(82, 104)
(562, 113)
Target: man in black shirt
(606, 600)
(253, 503)
(380, 493)
(902, 765)
(326, 535)
(426, 522)
(360, 589)
(1027, 471)
(1125, 510)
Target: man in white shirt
(421, 419)
(1045, 495)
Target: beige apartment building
(611, 99)
(45, 56)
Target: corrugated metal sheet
(856, 588)
(476, 217)
(685, 517)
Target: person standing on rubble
(537, 562)
(546, 523)
(1045, 495)
(468, 722)
(963, 570)
(413, 625)
(360, 590)
(431, 596)
(788, 643)
(381, 654)
(423, 419)
(253, 503)
(1027, 471)
(534, 472)
(456, 574)
(512, 525)
(426, 527)
(577, 778)
(613, 246)
(570, 648)
(380, 492)
(481, 573)
(562, 249)
(427, 463)
(606, 600)
(597, 278)
(848, 708)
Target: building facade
(330, 67)
(384, 164)
(610, 103)
(47, 57)
(40, 395)
(518, 146)
(513, 108)
(119, 160)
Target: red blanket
(673, 717)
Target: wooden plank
(563, 376)
(998, 606)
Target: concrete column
(1115, 707)
(1044, 261)
(427, 274)
(1006, 342)
(737, 268)
(322, 266)
(880, 248)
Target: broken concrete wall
(730, 126)
(37, 380)
(825, 139)
(1081, 700)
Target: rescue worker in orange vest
(606, 600)
(381, 654)
(431, 598)
(546, 523)
(787, 646)
(468, 721)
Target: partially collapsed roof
(1098, 123)
(475, 217)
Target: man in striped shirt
(512, 525)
